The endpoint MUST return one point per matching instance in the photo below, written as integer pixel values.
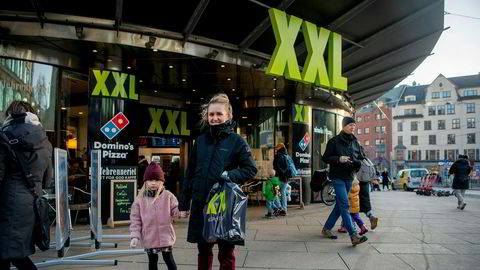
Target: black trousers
(20, 264)
(167, 258)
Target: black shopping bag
(225, 214)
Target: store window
(323, 130)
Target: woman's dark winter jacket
(216, 151)
(343, 145)
(17, 216)
(385, 178)
(461, 169)
(280, 165)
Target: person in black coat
(385, 179)
(344, 155)
(460, 169)
(17, 218)
(217, 155)
(142, 166)
(280, 165)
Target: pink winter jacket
(152, 222)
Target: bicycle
(321, 182)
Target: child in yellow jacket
(354, 208)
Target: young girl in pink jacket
(151, 218)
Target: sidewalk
(415, 232)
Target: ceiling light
(184, 80)
(237, 98)
(233, 89)
(309, 97)
(201, 98)
(94, 51)
(109, 60)
(80, 113)
(155, 50)
(141, 80)
(193, 90)
(274, 89)
(155, 91)
(128, 67)
(170, 66)
(222, 66)
(244, 117)
(63, 108)
(273, 95)
(228, 79)
(249, 125)
(274, 78)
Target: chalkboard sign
(122, 195)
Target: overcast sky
(457, 52)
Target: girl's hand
(133, 242)
(184, 214)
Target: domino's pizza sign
(113, 127)
(304, 142)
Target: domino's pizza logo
(114, 126)
(304, 142)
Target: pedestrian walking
(354, 208)
(385, 179)
(271, 193)
(217, 155)
(343, 154)
(17, 218)
(461, 170)
(151, 218)
(280, 165)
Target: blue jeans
(283, 196)
(342, 187)
(273, 205)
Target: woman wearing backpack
(17, 218)
(280, 165)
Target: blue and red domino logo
(304, 142)
(114, 126)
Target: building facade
(433, 124)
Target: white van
(409, 179)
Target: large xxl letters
(284, 61)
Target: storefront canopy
(383, 41)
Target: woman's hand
(133, 242)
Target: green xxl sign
(284, 60)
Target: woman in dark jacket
(217, 155)
(461, 169)
(17, 216)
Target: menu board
(122, 195)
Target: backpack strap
(20, 156)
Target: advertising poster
(62, 230)
(302, 139)
(165, 122)
(113, 128)
(96, 219)
(122, 195)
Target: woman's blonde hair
(144, 189)
(219, 99)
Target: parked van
(409, 179)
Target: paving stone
(440, 262)
(473, 238)
(341, 248)
(463, 249)
(289, 260)
(438, 238)
(411, 248)
(373, 261)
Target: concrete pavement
(415, 232)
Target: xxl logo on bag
(218, 204)
(113, 127)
